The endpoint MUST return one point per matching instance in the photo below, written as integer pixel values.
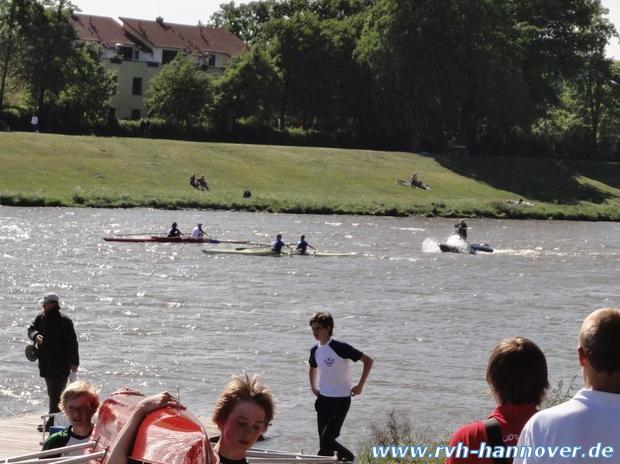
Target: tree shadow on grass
(546, 180)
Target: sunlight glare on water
(155, 315)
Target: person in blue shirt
(302, 246)
(277, 244)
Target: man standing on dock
(333, 396)
(57, 345)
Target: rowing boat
(164, 239)
(268, 252)
(165, 436)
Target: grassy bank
(57, 170)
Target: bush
(398, 431)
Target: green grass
(52, 170)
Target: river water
(158, 316)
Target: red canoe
(165, 436)
(164, 239)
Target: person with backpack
(517, 375)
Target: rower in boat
(302, 246)
(198, 233)
(277, 244)
(174, 232)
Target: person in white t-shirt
(198, 233)
(588, 424)
(335, 389)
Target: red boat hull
(162, 239)
(165, 436)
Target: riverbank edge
(51, 170)
(447, 209)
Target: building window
(211, 60)
(126, 52)
(136, 114)
(167, 56)
(136, 87)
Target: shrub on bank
(398, 431)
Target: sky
(192, 11)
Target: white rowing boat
(264, 251)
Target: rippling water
(157, 316)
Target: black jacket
(59, 349)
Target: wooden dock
(19, 435)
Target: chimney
(160, 20)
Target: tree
(245, 20)
(84, 102)
(251, 88)
(11, 16)
(179, 92)
(315, 58)
(46, 37)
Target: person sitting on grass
(192, 181)
(79, 401)
(203, 183)
(517, 375)
(242, 413)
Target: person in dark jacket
(57, 345)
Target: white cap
(49, 297)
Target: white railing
(42, 457)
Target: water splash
(430, 245)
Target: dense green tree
(489, 74)
(244, 20)
(180, 92)
(12, 14)
(409, 50)
(46, 44)
(320, 76)
(84, 102)
(248, 20)
(250, 88)
(553, 36)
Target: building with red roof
(137, 49)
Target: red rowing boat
(165, 436)
(164, 239)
